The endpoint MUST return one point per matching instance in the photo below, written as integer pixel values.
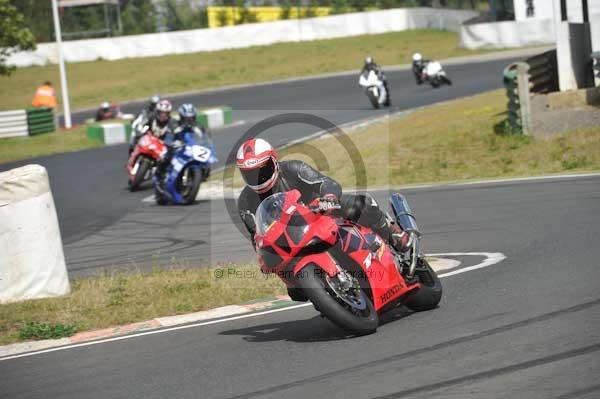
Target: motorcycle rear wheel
(311, 280)
(430, 293)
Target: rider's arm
(247, 213)
(310, 181)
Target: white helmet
(105, 105)
(417, 57)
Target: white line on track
(492, 258)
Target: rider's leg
(363, 209)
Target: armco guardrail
(23, 122)
(516, 81)
(543, 72)
(13, 123)
(40, 120)
(596, 67)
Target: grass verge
(453, 141)
(90, 83)
(120, 298)
(15, 148)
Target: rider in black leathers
(418, 65)
(294, 174)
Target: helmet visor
(257, 176)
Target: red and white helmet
(257, 162)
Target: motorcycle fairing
(282, 253)
(370, 252)
(148, 145)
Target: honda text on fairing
(347, 271)
(142, 160)
(190, 165)
(374, 87)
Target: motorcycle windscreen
(268, 212)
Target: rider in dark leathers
(418, 65)
(294, 174)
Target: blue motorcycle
(189, 167)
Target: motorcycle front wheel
(189, 184)
(143, 167)
(353, 313)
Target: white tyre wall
(32, 263)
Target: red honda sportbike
(346, 270)
(147, 151)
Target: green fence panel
(40, 120)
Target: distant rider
(418, 66)
(174, 137)
(142, 120)
(265, 175)
(371, 65)
(106, 112)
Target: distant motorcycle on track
(147, 151)
(434, 73)
(374, 87)
(348, 272)
(189, 167)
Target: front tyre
(429, 295)
(143, 166)
(374, 100)
(355, 315)
(189, 184)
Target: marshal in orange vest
(44, 96)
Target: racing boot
(398, 238)
(161, 171)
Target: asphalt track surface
(103, 225)
(527, 327)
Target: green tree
(181, 15)
(286, 9)
(14, 35)
(138, 16)
(38, 18)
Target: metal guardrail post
(516, 81)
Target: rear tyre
(190, 184)
(435, 83)
(358, 322)
(430, 293)
(142, 171)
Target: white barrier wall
(157, 44)
(32, 263)
(506, 34)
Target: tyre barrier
(32, 264)
(24, 122)
(214, 118)
(119, 131)
(110, 133)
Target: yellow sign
(224, 16)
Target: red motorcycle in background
(347, 271)
(147, 151)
